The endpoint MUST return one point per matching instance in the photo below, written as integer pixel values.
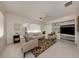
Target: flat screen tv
(67, 29)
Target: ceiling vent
(68, 3)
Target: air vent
(68, 4)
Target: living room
(37, 29)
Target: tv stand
(67, 37)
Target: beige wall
(49, 27)
(15, 19)
(3, 38)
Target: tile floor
(61, 49)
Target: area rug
(43, 45)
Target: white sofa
(29, 45)
(34, 36)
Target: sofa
(34, 36)
(29, 45)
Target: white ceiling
(36, 9)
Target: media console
(67, 37)
(67, 32)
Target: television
(67, 29)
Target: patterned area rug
(43, 45)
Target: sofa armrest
(29, 45)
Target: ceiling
(40, 10)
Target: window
(33, 27)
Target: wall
(1, 24)
(77, 36)
(3, 38)
(15, 19)
(64, 18)
(49, 27)
(42, 27)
